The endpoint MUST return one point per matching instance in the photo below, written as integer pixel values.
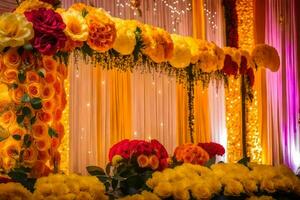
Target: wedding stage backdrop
(82, 89)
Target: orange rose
(60, 130)
(143, 161)
(57, 87)
(48, 92)
(71, 45)
(55, 143)
(39, 130)
(12, 148)
(49, 64)
(48, 105)
(8, 118)
(102, 30)
(2, 66)
(44, 116)
(32, 76)
(11, 58)
(34, 89)
(10, 75)
(18, 93)
(154, 162)
(50, 78)
(63, 71)
(63, 100)
(29, 156)
(43, 156)
(57, 114)
(43, 144)
(40, 169)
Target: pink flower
(48, 30)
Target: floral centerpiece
(132, 162)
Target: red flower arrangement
(212, 149)
(48, 30)
(230, 67)
(147, 154)
(244, 65)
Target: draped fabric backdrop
(7, 5)
(214, 23)
(107, 106)
(282, 91)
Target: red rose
(244, 65)
(143, 147)
(163, 163)
(230, 67)
(250, 74)
(159, 149)
(119, 149)
(48, 30)
(213, 149)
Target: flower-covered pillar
(33, 97)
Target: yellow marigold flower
(76, 26)
(125, 38)
(201, 191)
(31, 5)
(233, 188)
(182, 54)
(15, 30)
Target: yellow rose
(233, 188)
(125, 38)
(76, 26)
(10, 75)
(15, 30)
(7, 118)
(163, 189)
(4, 96)
(11, 58)
(181, 54)
(250, 186)
(31, 5)
(200, 191)
(116, 159)
(181, 193)
(194, 46)
(266, 56)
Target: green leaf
(86, 50)
(84, 12)
(21, 176)
(36, 103)
(28, 47)
(33, 120)
(52, 133)
(103, 178)
(13, 86)
(22, 76)
(244, 161)
(210, 162)
(25, 98)
(17, 137)
(139, 43)
(114, 184)
(26, 111)
(20, 119)
(95, 171)
(41, 73)
(27, 140)
(4, 133)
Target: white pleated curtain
(214, 24)
(153, 95)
